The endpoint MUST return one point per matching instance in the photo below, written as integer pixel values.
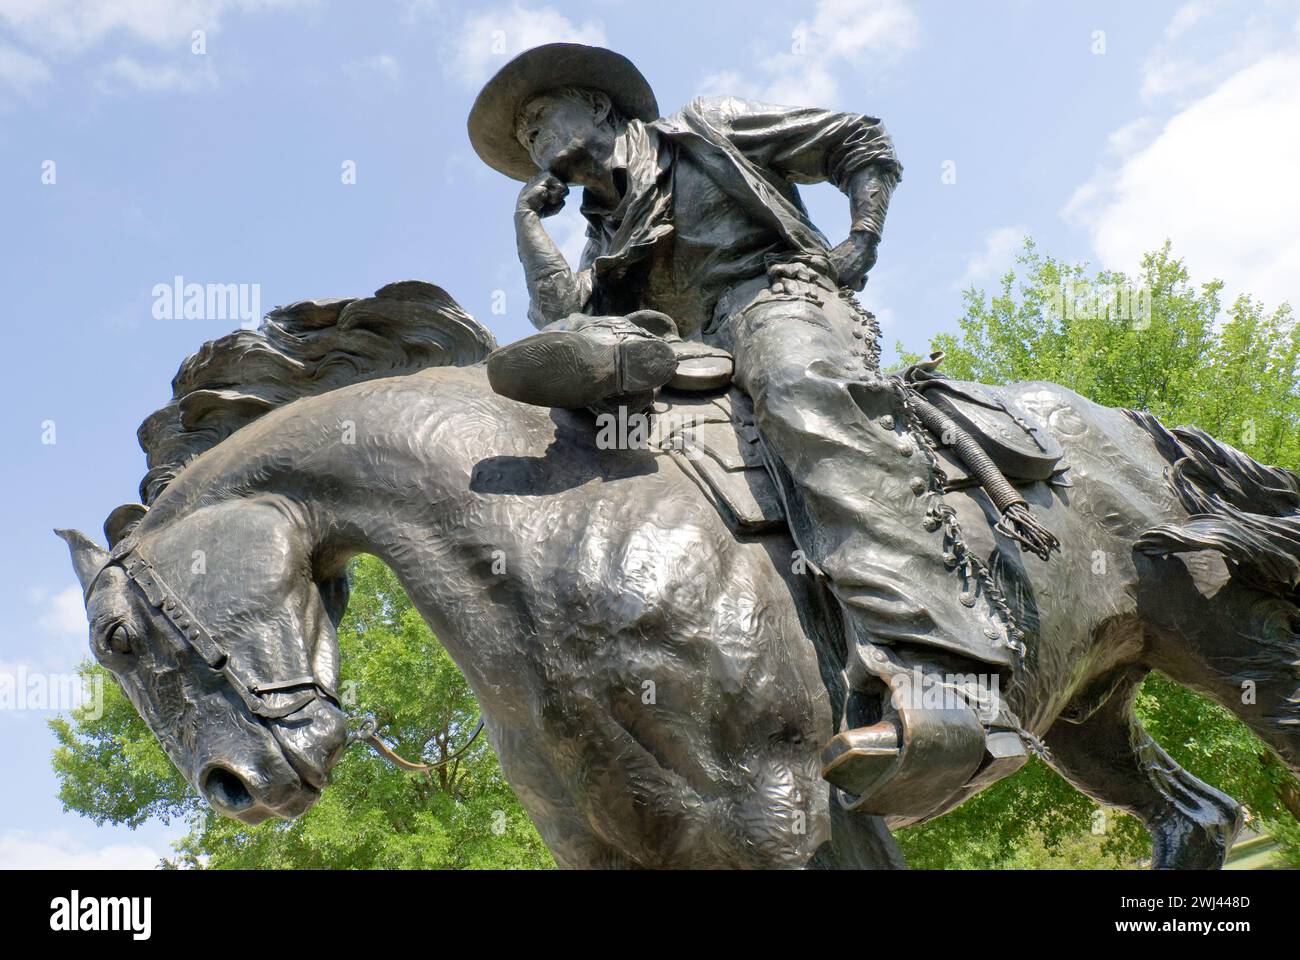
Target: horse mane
(309, 347)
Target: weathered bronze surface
(672, 638)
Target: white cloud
(1195, 56)
(850, 32)
(882, 287)
(383, 65)
(57, 850)
(73, 26)
(55, 637)
(1212, 165)
(65, 29)
(64, 613)
(855, 28)
(129, 74)
(987, 265)
(723, 83)
(798, 80)
(1219, 180)
(1188, 15)
(1130, 136)
(415, 10)
(1167, 74)
(20, 71)
(490, 38)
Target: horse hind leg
(1108, 756)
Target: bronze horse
(657, 689)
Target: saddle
(714, 440)
(711, 435)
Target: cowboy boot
(589, 362)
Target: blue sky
(1098, 128)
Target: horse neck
(383, 469)
(400, 506)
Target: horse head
(212, 623)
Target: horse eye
(119, 640)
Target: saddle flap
(716, 444)
(1017, 441)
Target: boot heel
(940, 751)
(645, 365)
(856, 760)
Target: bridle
(127, 555)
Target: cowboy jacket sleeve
(555, 291)
(810, 145)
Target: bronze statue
(672, 638)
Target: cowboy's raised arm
(554, 290)
(810, 145)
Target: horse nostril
(226, 790)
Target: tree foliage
(1154, 342)
(464, 815)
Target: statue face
(564, 133)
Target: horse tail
(1245, 511)
(306, 348)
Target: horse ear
(122, 520)
(88, 557)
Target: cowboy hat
(548, 67)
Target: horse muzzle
(245, 794)
(312, 740)
(286, 772)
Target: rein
(368, 734)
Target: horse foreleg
(1108, 756)
(859, 841)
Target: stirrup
(940, 750)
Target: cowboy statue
(699, 246)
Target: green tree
(1155, 342)
(462, 816)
